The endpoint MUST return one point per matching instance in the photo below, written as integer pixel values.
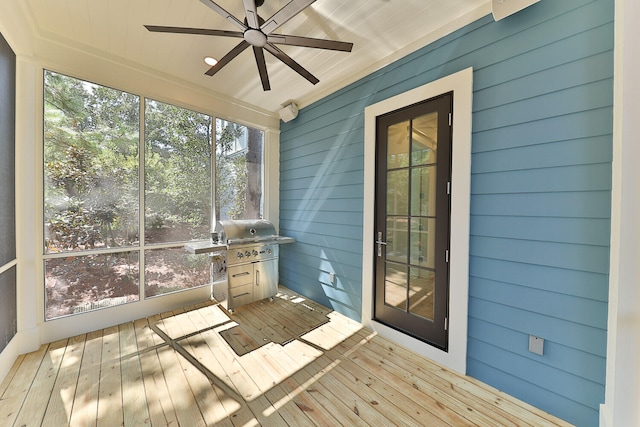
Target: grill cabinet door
(266, 279)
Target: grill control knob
(254, 253)
(247, 254)
(240, 255)
(268, 251)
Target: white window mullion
(141, 201)
(214, 142)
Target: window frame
(179, 297)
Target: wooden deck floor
(289, 362)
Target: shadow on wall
(321, 207)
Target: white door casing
(461, 84)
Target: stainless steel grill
(244, 261)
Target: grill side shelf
(204, 247)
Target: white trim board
(461, 84)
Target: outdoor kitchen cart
(244, 261)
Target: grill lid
(245, 230)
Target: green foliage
(91, 168)
(91, 165)
(177, 168)
(230, 172)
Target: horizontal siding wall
(321, 194)
(540, 196)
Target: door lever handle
(380, 242)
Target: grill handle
(244, 273)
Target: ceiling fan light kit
(258, 33)
(210, 61)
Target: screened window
(239, 159)
(119, 205)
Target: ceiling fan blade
(262, 68)
(251, 12)
(185, 30)
(226, 15)
(290, 10)
(228, 57)
(309, 42)
(291, 63)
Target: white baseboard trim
(23, 342)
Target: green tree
(230, 171)
(177, 171)
(91, 164)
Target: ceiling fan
(258, 33)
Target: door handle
(380, 242)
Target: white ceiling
(381, 30)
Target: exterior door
(413, 176)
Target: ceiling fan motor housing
(255, 37)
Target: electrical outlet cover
(536, 345)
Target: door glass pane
(423, 242)
(424, 139)
(423, 191)
(397, 239)
(422, 292)
(398, 145)
(395, 285)
(397, 192)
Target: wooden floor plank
(161, 411)
(270, 327)
(34, 392)
(419, 401)
(62, 396)
(85, 404)
(244, 384)
(239, 407)
(200, 385)
(282, 395)
(316, 390)
(17, 386)
(413, 379)
(110, 404)
(177, 368)
(135, 405)
(404, 360)
(384, 398)
(176, 373)
(319, 403)
(15, 368)
(229, 407)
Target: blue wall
(540, 196)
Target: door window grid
(411, 292)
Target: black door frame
(433, 332)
